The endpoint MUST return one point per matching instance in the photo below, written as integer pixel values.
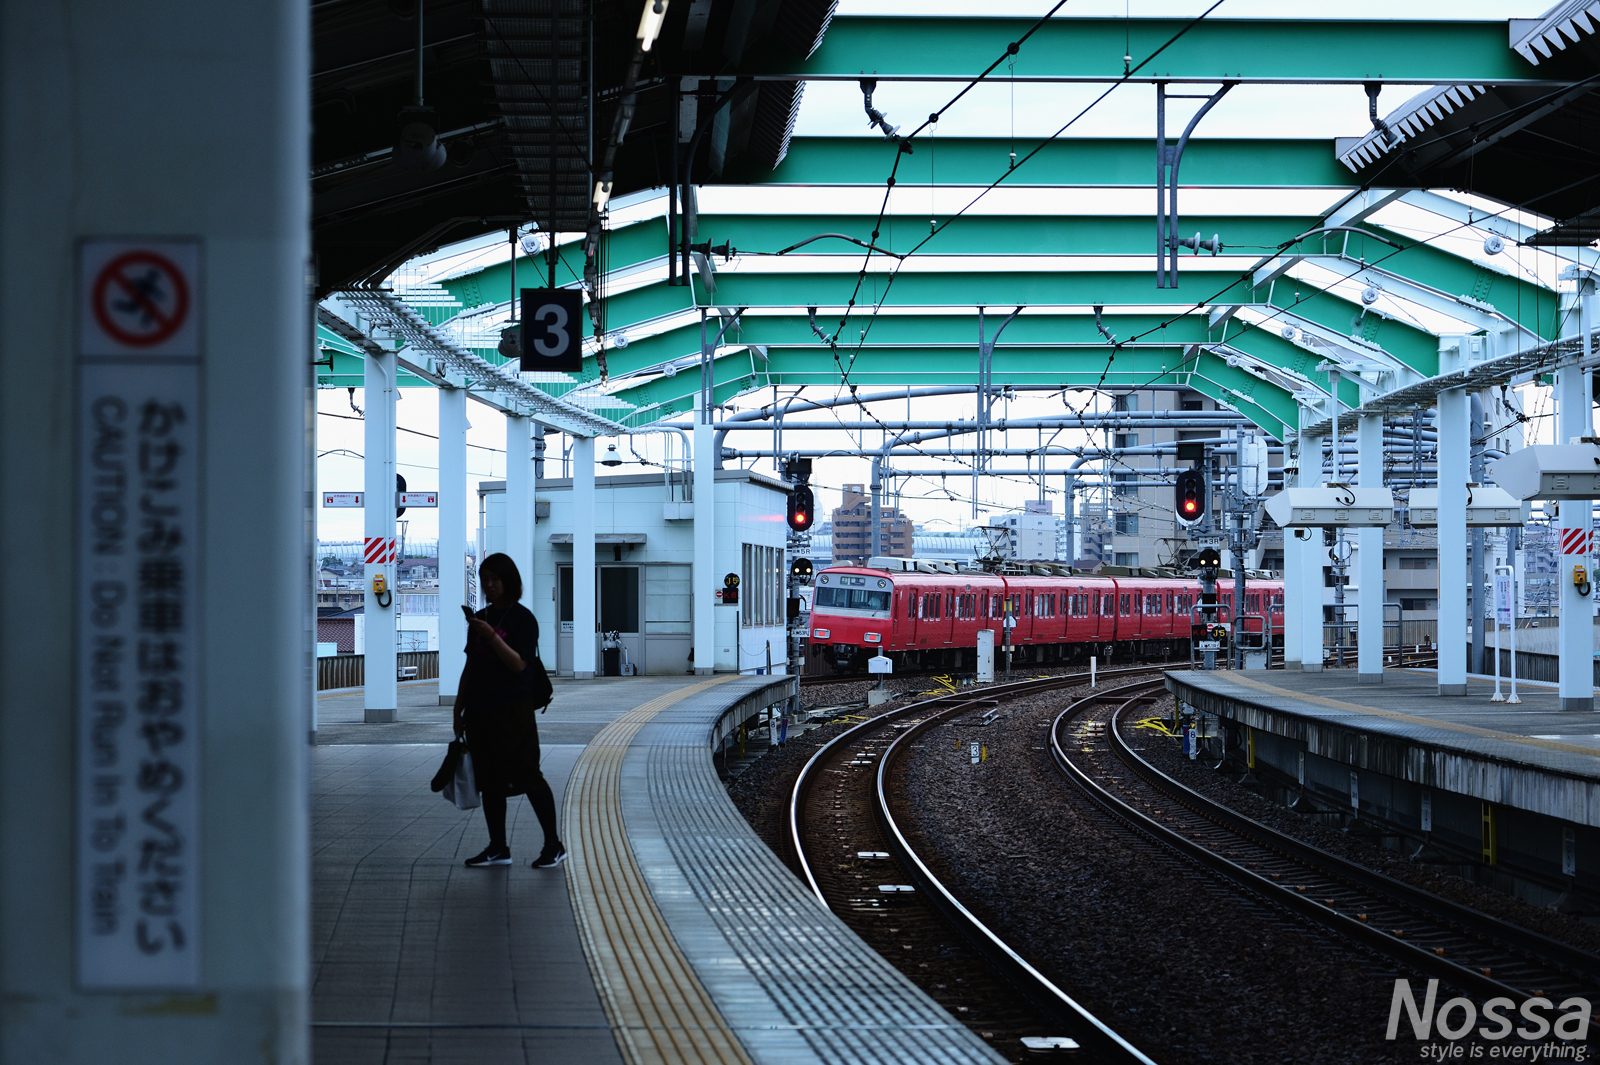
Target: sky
(835, 109)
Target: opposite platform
(1505, 781)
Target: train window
(850, 598)
(1127, 605)
(1152, 604)
(1108, 606)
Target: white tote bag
(461, 788)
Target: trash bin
(611, 661)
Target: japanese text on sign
(138, 569)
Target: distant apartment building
(852, 529)
(1132, 522)
(1031, 533)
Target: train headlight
(873, 637)
(821, 634)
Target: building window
(1425, 562)
(1125, 439)
(1419, 604)
(1128, 402)
(1125, 483)
(1126, 558)
(761, 599)
(1192, 404)
(1127, 524)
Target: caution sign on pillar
(137, 613)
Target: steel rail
(1429, 962)
(1475, 922)
(1038, 987)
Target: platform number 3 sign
(552, 329)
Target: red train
(932, 619)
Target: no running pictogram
(140, 298)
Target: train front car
(851, 616)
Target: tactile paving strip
(659, 1011)
(822, 984)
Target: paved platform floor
(416, 958)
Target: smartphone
(467, 610)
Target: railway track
(1436, 937)
(854, 856)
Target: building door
(618, 612)
(668, 619)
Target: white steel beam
(1370, 593)
(378, 399)
(584, 574)
(519, 497)
(705, 542)
(1454, 452)
(452, 538)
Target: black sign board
(552, 329)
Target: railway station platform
(1515, 787)
(672, 934)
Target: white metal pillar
(183, 122)
(382, 546)
(1313, 555)
(1454, 455)
(1370, 595)
(519, 496)
(1294, 589)
(452, 539)
(1576, 665)
(539, 583)
(584, 575)
(705, 543)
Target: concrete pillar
(705, 543)
(382, 545)
(1576, 675)
(519, 497)
(584, 574)
(1370, 596)
(1454, 451)
(452, 539)
(173, 124)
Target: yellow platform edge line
(659, 1011)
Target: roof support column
(1302, 564)
(705, 545)
(1577, 625)
(452, 539)
(584, 574)
(519, 501)
(1370, 594)
(1454, 442)
(382, 549)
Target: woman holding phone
(495, 711)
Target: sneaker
(490, 856)
(550, 859)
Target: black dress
(502, 731)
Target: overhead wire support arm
(680, 254)
(1168, 159)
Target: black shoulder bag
(542, 690)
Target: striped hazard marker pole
(381, 550)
